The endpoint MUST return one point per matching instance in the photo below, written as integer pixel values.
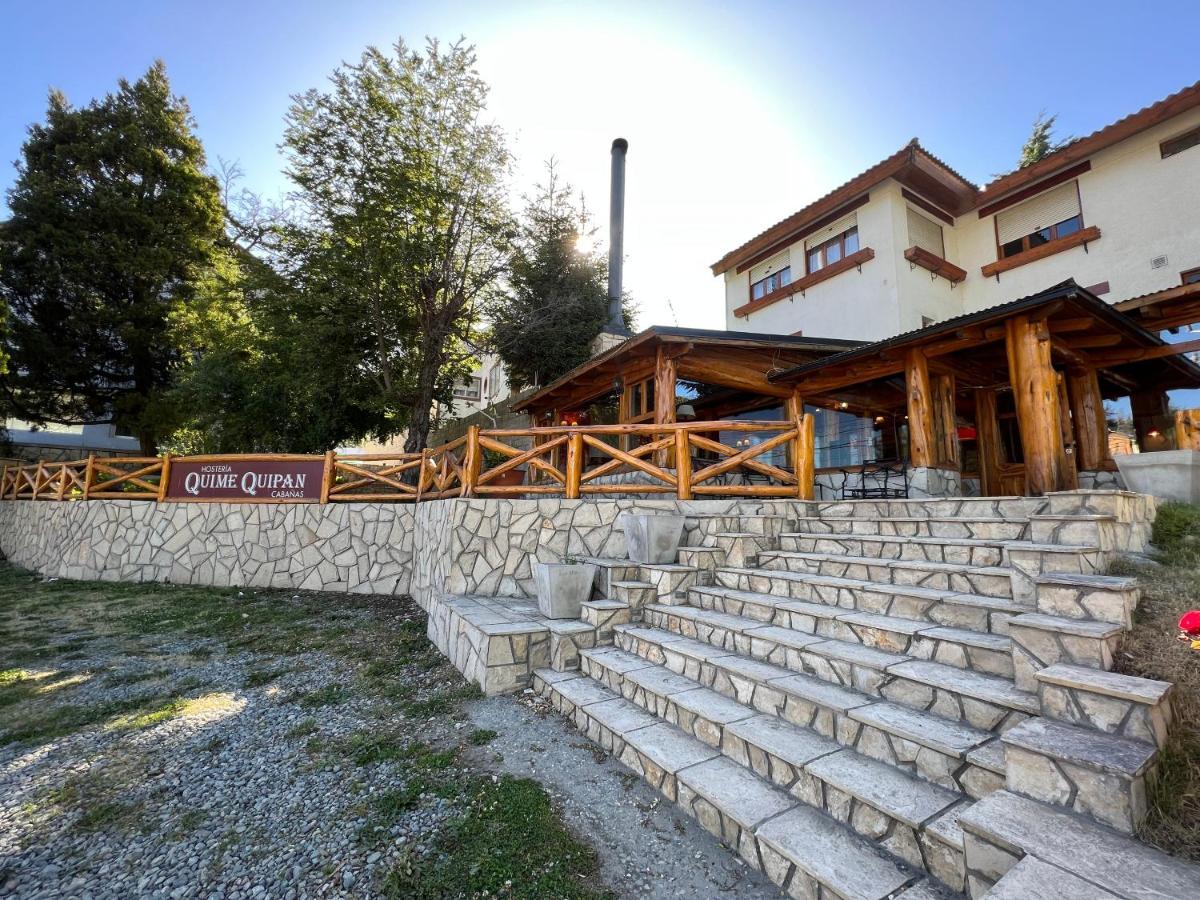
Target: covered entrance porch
(1005, 401)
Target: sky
(737, 114)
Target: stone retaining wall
(359, 547)
(456, 546)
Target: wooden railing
(685, 459)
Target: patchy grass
(76, 656)
(509, 843)
(1170, 587)
(481, 736)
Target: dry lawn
(1171, 587)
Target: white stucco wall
(1145, 207)
(853, 305)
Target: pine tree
(114, 224)
(1041, 141)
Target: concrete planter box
(653, 539)
(562, 588)
(1167, 474)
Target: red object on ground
(1190, 622)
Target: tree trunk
(421, 417)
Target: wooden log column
(987, 431)
(945, 421)
(921, 452)
(1087, 416)
(665, 372)
(1035, 389)
(801, 452)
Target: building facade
(910, 242)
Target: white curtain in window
(774, 264)
(1054, 206)
(843, 224)
(925, 234)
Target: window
(1191, 276)
(771, 283)
(1185, 141)
(833, 250)
(1047, 217)
(925, 234)
(468, 388)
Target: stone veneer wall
(357, 547)
(456, 546)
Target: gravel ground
(174, 742)
(648, 848)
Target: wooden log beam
(1035, 389)
(920, 410)
(1087, 416)
(1144, 353)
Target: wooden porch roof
(1085, 332)
(736, 360)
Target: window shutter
(774, 264)
(925, 234)
(843, 224)
(1044, 210)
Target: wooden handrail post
(4, 483)
(61, 493)
(574, 474)
(328, 474)
(37, 478)
(88, 474)
(472, 462)
(683, 465)
(164, 476)
(805, 450)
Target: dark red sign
(281, 481)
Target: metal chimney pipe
(616, 235)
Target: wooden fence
(685, 459)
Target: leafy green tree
(405, 231)
(1041, 142)
(114, 224)
(557, 297)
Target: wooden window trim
(765, 277)
(1058, 245)
(853, 261)
(926, 259)
(1034, 189)
(1183, 276)
(839, 239)
(1169, 147)
(812, 228)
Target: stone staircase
(876, 699)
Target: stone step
(1080, 530)
(765, 525)
(1040, 641)
(948, 507)
(1105, 598)
(671, 580)
(1004, 827)
(989, 581)
(604, 615)
(609, 571)
(1027, 561)
(742, 549)
(916, 742)
(983, 528)
(985, 701)
(964, 551)
(955, 609)
(634, 594)
(706, 559)
(1098, 775)
(1031, 879)
(1109, 702)
(568, 637)
(802, 850)
(962, 648)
